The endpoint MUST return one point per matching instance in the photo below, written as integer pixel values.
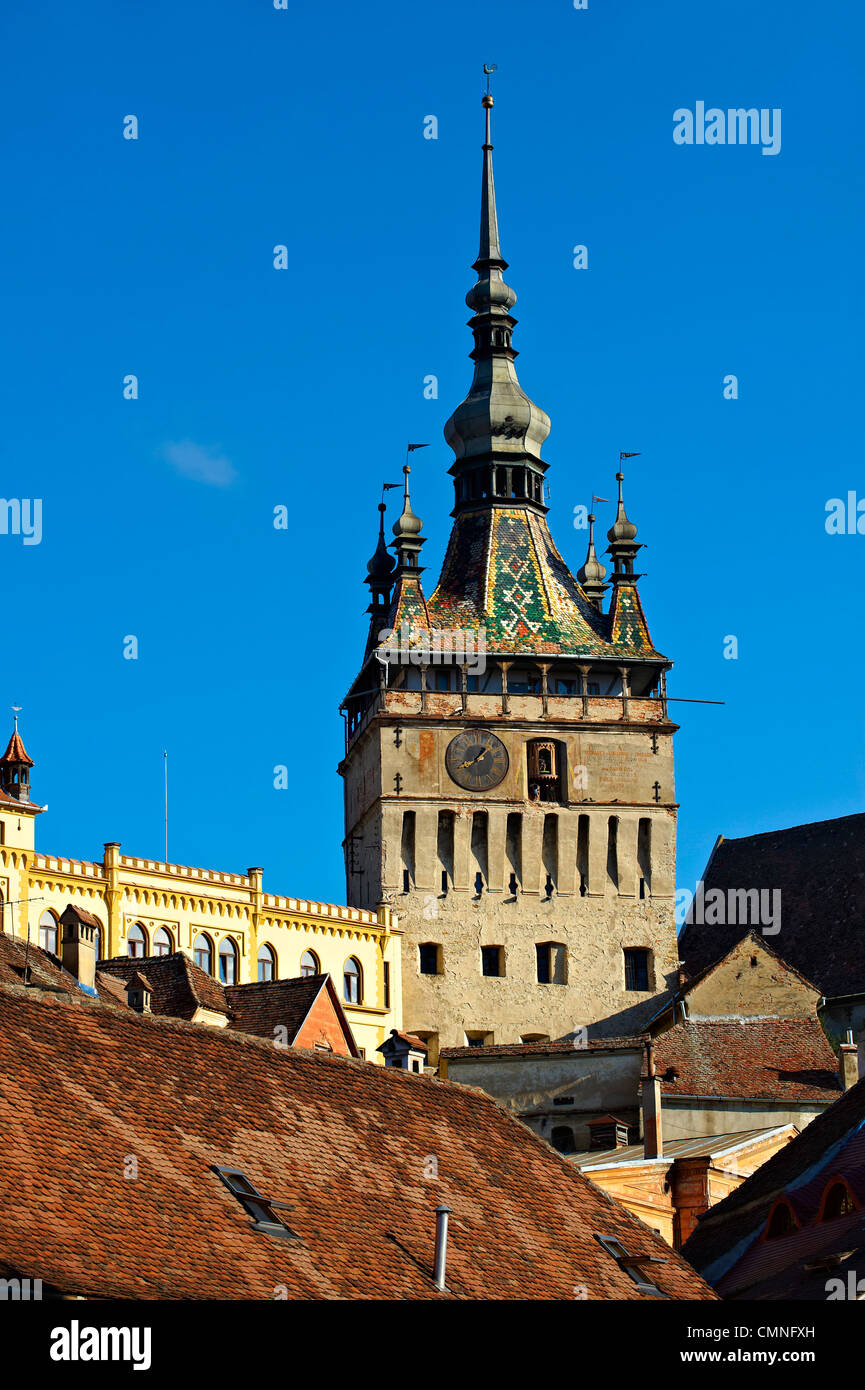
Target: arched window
(137, 939)
(48, 932)
(162, 943)
(563, 1139)
(352, 981)
(202, 952)
(837, 1201)
(266, 963)
(781, 1221)
(97, 939)
(309, 965)
(228, 962)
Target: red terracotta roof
(755, 1058)
(179, 986)
(727, 1243)
(16, 752)
(819, 870)
(261, 1007)
(86, 917)
(409, 1038)
(45, 971)
(344, 1142)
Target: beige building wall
(752, 982)
(558, 1089)
(618, 768)
(123, 890)
(712, 1115)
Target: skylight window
(633, 1264)
(263, 1211)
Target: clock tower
(509, 765)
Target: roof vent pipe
(441, 1258)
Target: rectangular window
(428, 958)
(386, 984)
(407, 850)
(637, 968)
(472, 685)
(542, 952)
(593, 688)
(491, 960)
(565, 687)
(583, 855)
(613, 850)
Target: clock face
(477, 760)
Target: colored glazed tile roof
(779, 1059)
(503, 573)
(346, 1144)
(819, 870)
(727, 1244)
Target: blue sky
(259, 387)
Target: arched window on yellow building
(266, 963)
(202, 952)
(48, 932)
(228, 962)
(309, 964)
(137, 940)
(352, 981)
(162, 943)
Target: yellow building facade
(225, 921)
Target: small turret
(593, 573)
(407, 530)
(379, 577)
(623, 545)
(15, 768)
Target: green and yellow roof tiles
(503, 572)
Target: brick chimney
(653, 1135)
(78, 945)
(848, 1062)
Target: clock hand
(471, 762)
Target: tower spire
(593, 573)
(489, 253)
(407, 530)
(15, 766)
(497, 432)
(623, 545)
(379, 577)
